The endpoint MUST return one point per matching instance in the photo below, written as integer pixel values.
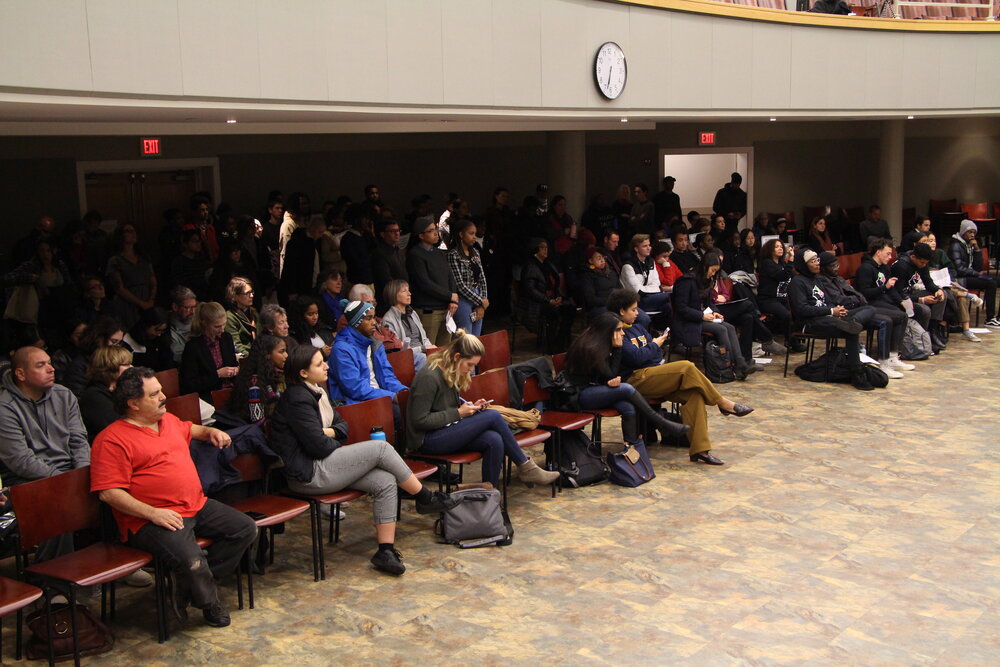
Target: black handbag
(631, 466)
(92, 636)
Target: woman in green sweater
(439, 421)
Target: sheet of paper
(763, 360)
(941, 278)
(980, 331)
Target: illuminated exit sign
(149, 146)
(706, 138)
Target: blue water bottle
(376, 433)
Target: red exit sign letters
(706, 138)
(149, 146)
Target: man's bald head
(32, 369)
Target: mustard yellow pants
(681, 382)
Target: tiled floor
(845, 528)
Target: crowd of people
(299, 312)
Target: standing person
(191, 267)
(142, 468)
(598, 217)
(95, 302)
(242, 320)
(622, 208)
(209, 360)
(594, 366)
(388, 260)
(316, 460)
(272, 230)
(731, 201)
(297, 212)
(131, 275)
(439, 421)
(643, 213)
(562, 227)
(357, 245)
(469, 278)
(667, 204)
(402, 320)
(501, 240)
(435, 294)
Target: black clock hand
(610, 70)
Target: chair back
(787, 215)
(533, 392)
(976, 211)
(855, 214)
(220, 397)
(497, 353)
(170, 380)
(53, 506)
(558, 362)
(360, 418)
(938, 206)
(490, 386)
(250, 467)
(186, 408)
(402, 366)
(849, 265)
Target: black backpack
(718, 366)
(578, 464)
(831, 366)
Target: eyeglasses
(247, 293)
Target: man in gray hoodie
(41, 432)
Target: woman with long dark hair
(306, 327)
(316, 460)
(819, 239)
(593, 364)
(260, 381)
(102, 332)
(470, 279)
(694, 313)
(775, 271)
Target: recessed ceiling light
(910, 117)
(772, 119)
(624, 120)
(231, 121)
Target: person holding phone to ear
(439, 421)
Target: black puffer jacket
(297, 432)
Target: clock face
(610, 70)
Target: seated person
(694, 313)
(96, 405)
(274, 321)
(142, 468)
(149, 340)
(545, 306)
(595, 281)
(914, 282)
(404, 322)
(209, 360)
(818, 237)
(182, 305)
(317, 462)
(921, 227)
(330, 296)
(876, 282)
(382, 334)
(874, 227)
(306, 326)
(642, 366)
(968, 260)
(260, 382)
(742, 313)
(101, 332)
(816, 315)
(667, 270)
(775, 272)
(640, 275)
(593, 365)
(890, 324)
(360, 369)
(242, 320)
(959, 298)
(439, 421)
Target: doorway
(700, 173)
(140, 191)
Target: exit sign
(706, 138)
(149, 146)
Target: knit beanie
(807, 255)
(354, 311)
(826, 258)
(966, 226)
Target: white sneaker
(328, 509)
(898, 364)
(888, 370)
(993, 323)
(139, 579)
(971, 337)
(976, 301)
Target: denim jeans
(484, 432)
(653, 303)
(463, 318)
(602, 396)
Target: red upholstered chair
(976, 212)
(220, 397)
(186, 408)
(275, 510)
(493, 386)
(14, 596)
(497, 354)
(558, 362)
(444, 462)
(402, 366)
(554, 421)
(170, 380)
(360, 417)
(47, 508)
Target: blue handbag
(631, 466)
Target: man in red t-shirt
(142, 467)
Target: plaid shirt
(469, 275)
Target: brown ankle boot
(531, 474)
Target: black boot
(630, 427)
(938, 342)
(664, 425)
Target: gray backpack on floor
(478, 520)
(916, 345)
(718, 366)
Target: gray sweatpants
(372, 466)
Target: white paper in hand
(449, 324)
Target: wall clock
(610, 70)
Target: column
(567, 152)
(890, 181)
